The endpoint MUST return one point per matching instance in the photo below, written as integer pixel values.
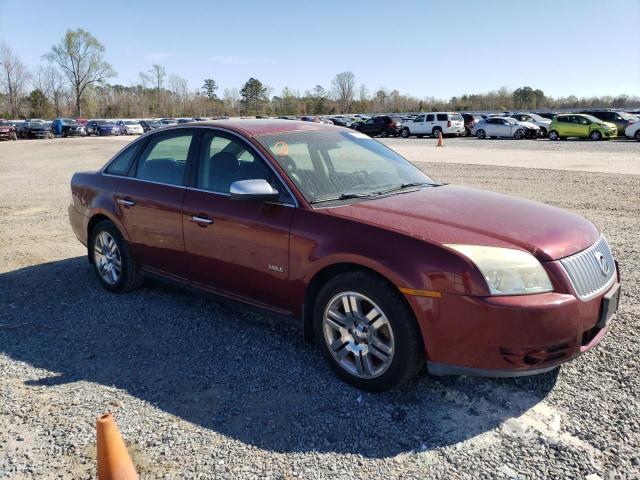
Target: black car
(35, 130)
(148, 125)
(342, 122)
(382, 125)
(619, 118)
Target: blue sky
(422, 48)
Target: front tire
(595, 136)
(481, 134)
(366, 332)
(553, 135)
(542, 133)
(519, 134)
(637, 135)
(112, 259)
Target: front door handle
(202, 221)
(125, 202)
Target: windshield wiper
(344, 196)
(403, 186)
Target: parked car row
(591, 124)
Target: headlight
(507, 271)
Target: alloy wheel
(358, 335)
(107, 258)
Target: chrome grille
(592, 270)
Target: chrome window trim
(203, 127)
(184, 187)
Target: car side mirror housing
(257, 190)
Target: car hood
(528, 125)
(463, 215)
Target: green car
(580, 125)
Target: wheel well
(92, 223)
(319, 280)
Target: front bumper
(506, 336)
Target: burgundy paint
(400, 237)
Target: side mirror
(257, 189)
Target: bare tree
(80, 56)
(343, 86)
(231, 98)
(13, 78)
(363, 93)
(49, 79)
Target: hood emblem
(602, 263)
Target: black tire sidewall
(408, 345)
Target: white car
(131, 127)
(504, 127)
(447, 123)
(633, 130)
(543, 123)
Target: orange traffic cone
(114, 462)
(440, 141)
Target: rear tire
(637, 135)
(384, 134)
(369, 357)
(404, 133)
(435, 132)
(112, 259)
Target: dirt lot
(200, 389)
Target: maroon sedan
(386, 268)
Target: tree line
(74, 80)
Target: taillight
(449, 123)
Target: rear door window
(164, 159)
(442, 117)
(430, 118)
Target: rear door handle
(125, 202)
(203, 221)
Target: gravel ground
(203, 389)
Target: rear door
(430, 122)
(234, 247)
(149, 202)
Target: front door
(238, 248)
(419, 126)
(150, 204)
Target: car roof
(251, 127)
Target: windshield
(326, 165)
(130, 122)
(69, 121)
(593, 119)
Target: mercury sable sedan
(384, 267)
